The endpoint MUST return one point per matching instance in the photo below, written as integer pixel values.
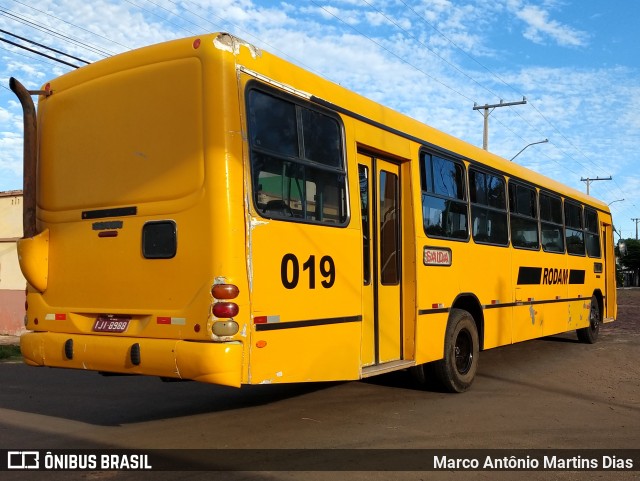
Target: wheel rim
(464, 351)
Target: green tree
(630, 259)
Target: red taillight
(196, 43)
(225, 309)
(225, 291)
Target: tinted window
(363, 172)
(550, 208)
(574, 233)
(322, 140)
(297, 164)
(592, 232)
(389, 229)
(444, 206)
(488, 208)
(524, 216)
(272, 123)
(551, 223)
(444, 177)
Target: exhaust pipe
(30, 158)
(33, 248)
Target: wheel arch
(598, 295)
(470, 303)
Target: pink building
(12, 283)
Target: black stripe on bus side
(273, 326)
(102, 213)
(529, 275)
(576, 276)
(533, 276)
(433, 311)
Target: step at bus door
(381, 217)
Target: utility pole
(636, 221)
(588, 181)
(487, 112)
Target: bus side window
(574, 232)
(444, 203)
(551, 223)
(488, 208)
(524, 216)
(592, 233)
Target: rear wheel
(589, 335)
(457, 369)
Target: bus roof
(322, 91)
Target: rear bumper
(215, 363)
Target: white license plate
(111, 324)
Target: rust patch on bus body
(231, 43)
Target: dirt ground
(550, 393)
(628, 312)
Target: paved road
(548, 393)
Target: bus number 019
(290, 271)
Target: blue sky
(576, 62)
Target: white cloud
(592, 109)
(540, 27)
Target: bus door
(380, 206)
(608, 256)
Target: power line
(386, 15)
(75, 26)
(261, 41)
(455, 67)
(391, 52)
(44, 46)
(39, 53)
(42, 28)
(190, 32)
(35, 59)
(497, 77)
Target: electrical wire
(39, 53)
(44, 46)
(42, 28)
(181, 6)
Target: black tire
(457, 369)
(589, 335)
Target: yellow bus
(201, 209)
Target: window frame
(581, 229)
(424, 192)
(561, 225)
(513, 213)
(488, 208)
(587, 232)
(298, 161)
